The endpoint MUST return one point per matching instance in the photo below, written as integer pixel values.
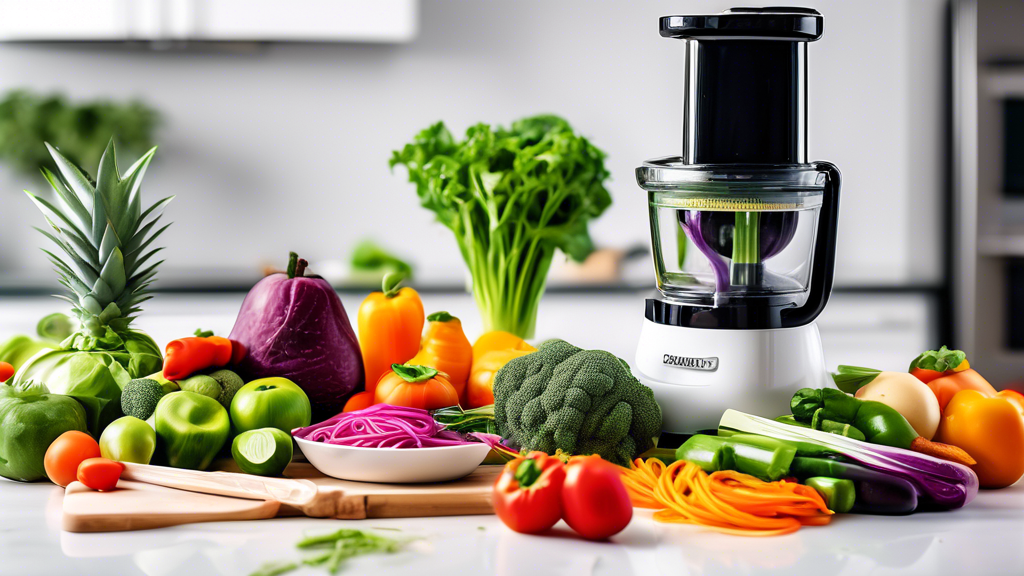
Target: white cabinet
(209, 20)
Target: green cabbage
(95, 376)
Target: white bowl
(394, 465)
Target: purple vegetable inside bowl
(775, 231)
(295, 326)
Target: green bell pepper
(30, 419)
(191, 429)
(831, 410)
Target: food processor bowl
(722, 234)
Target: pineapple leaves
(76, 181)
(99, 228)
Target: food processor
(743, 227)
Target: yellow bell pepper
(498, 340)
(446, 349)
(479, 389)
(991, 430)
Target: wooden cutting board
(138, 506)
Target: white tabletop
(986, 537)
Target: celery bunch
(511, 196)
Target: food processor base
(697, 373)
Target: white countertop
(986, 537)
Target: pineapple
(105, 237)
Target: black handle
(823, 271)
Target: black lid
(771, 23)
(745, 91)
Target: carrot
(728, 502)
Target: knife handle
(297, 493)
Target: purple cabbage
(775, 231)
(296, 328)
(940, 484)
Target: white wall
(287, 148)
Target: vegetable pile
(511, 197)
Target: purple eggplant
(876, 492)
(295, 326)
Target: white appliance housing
(697, 373)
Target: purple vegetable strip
(691, 225)
(386, 426)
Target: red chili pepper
(186, 356)
(527, 495)
(595, 502)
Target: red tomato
(527, 494)
(100, 473)
(594, 500)
(6, 371)
(65, 454)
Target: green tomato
(191, 429)
(265, 452)
(270, 403)
(128, 439)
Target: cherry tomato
(594, 500)
(66, 453)
(6, 371)
(100, 473)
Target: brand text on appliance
(690, 363)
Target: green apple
(128, 439)
(270, 403)
(265, 452)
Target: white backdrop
(287, 148)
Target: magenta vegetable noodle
(387, 426)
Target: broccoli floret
(229, 384)
(579, 401)
(140, 396)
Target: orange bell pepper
(359, 401)
(991, 430)
(479, 390)
(446, 348)
(1013, 397)
(498, 340)
(947, 372)
(390, 324)
(948, 386)
(415, 387)
(186, 356)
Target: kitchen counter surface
(986, 537)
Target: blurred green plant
(80, 130)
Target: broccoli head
(579, 401)
(140, 396)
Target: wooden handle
(298, 493)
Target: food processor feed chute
(743, 227)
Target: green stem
(745, 238)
